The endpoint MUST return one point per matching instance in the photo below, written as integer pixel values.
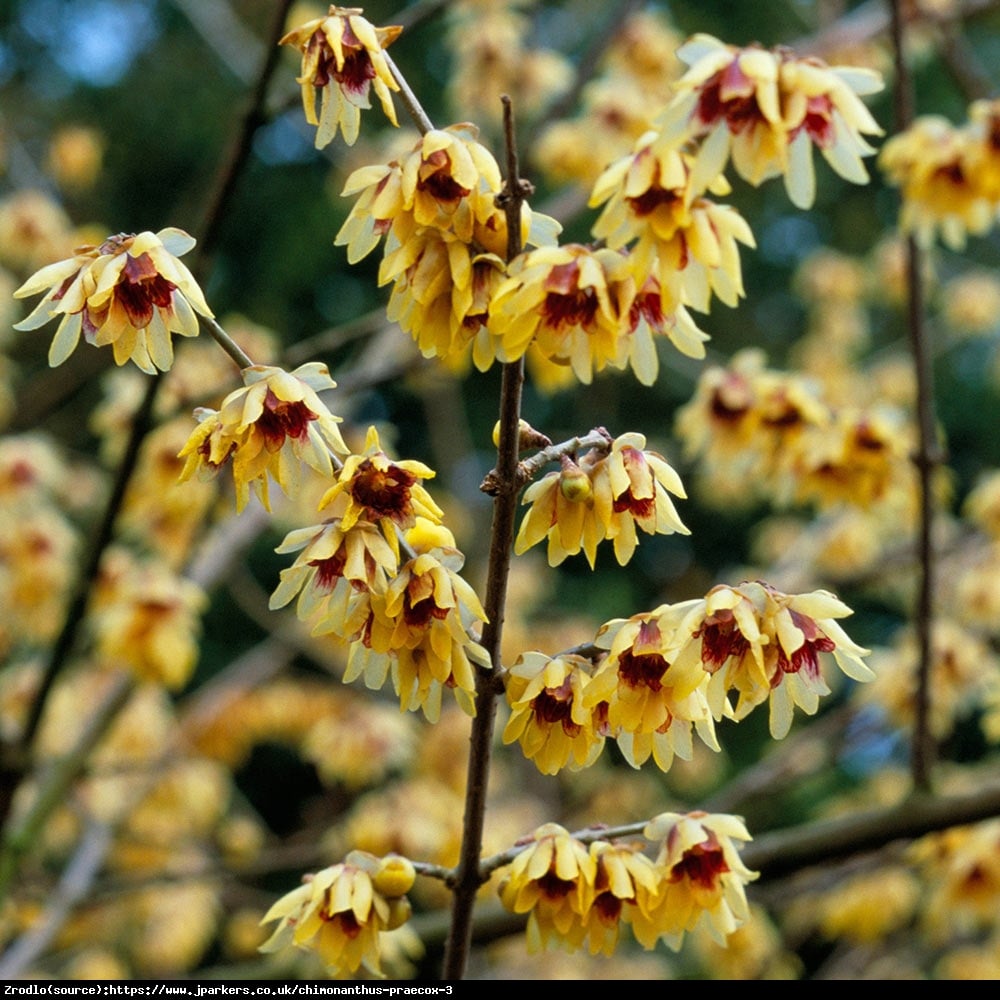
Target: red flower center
(701, 864)
(642, 670)
(141, 288)
(383, 492)
(721, 638)
(554, 706)
(730, 94)
(281, 419)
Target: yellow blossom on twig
(131, 292)
(342, 56)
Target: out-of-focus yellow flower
(982, 505)
(372, 487)
(548, 716)
(342, 56)
(147, 619)
(34, 230)
(970, 303)
(341, 911)
(490, 57)
(766, 110)
(867, 908)
(859, 459)
(963, 667)
(131, 292)
(765, 645)
(962, 867)
(650, 703)
(932, 163)
(553, 881)
(267, 429)
(74, 157)
(688, 242)
(704, 878)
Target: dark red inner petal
(645, 670)
(141, 288)
(701, 864)
(281, 419)
(721, 638)
(383, 493)
(554, 706)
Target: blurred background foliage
(120, 113)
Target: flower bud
(574, 483)
(527, 436)
(395, 877)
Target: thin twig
(409, 99)
(926, 457)
(469, 875)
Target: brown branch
(469, 875)
(927, 455)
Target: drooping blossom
(341, 911)
(342, 59)
(704, 877)
(266, 430)
(765, 110)
(131, 292)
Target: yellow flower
(266, 429)
(341, 911)
(631, 488)
(552, 880)
(548, 716)
(442, 294)
(935, 166)
(703, 876)
(626, 887)
(342, 55)
(571, 302)
(371, 487)
(419, 628)
(148, 619)
(448, 181)
(766, 110)
(688, 242)
(562, 510)
(131, 292)
(765, 645)
(333, 567)
(651, 704)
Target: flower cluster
(343, 58)
(267, 429)
(341, 912)
(611, 492)
(765, 646)
(446, 238)
(409, 618)
(669, 673)
(130, 292)
(770, 433)
(765, 110)
(577, 895)
(949, 176)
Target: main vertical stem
(469, 877)
(922, 751)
